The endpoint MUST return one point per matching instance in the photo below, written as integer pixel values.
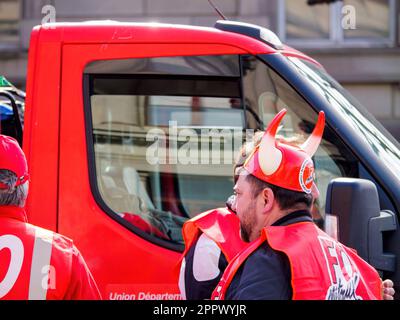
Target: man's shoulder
(30, 232)
(265, 263)
(59, 241)
(266, 260)
(264, 275)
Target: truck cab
(130, 129)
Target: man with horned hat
(212, 238)
(288, 257)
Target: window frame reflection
(337, 36)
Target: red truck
(132, 128)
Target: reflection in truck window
(164, 145)
(266, 93)
(380, 141)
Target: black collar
(293, 217)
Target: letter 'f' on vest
(321, 267)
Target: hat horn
(313, 141)
(269, 157)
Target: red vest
(321, 267)
(35, 263)
(221, 226)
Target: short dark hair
(12, 195)
(286, 198)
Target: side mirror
(360, 222)
(11, 126)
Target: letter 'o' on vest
(205, 259)
(40, 262)
(181, 282)
(16, 247)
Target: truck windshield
(381, 143)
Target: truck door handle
(386, 221)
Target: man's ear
(269, 199)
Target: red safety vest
(220, 225)
(37, 264)
(321, 267)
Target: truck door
(131, 171)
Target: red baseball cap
(283, 165)
(13, 158)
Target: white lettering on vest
(344, 276)
(49, 277)
(40, 258)
(16, 247)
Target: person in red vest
(212, 239)
(289, 257)
(38, 264)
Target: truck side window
(159, 128)
(266, 93)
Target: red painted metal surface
(41, 129)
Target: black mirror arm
(18, 125)
(386, 221)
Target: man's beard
(244, 234)
(248, 222)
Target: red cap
(13, 158)
(286, 166)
